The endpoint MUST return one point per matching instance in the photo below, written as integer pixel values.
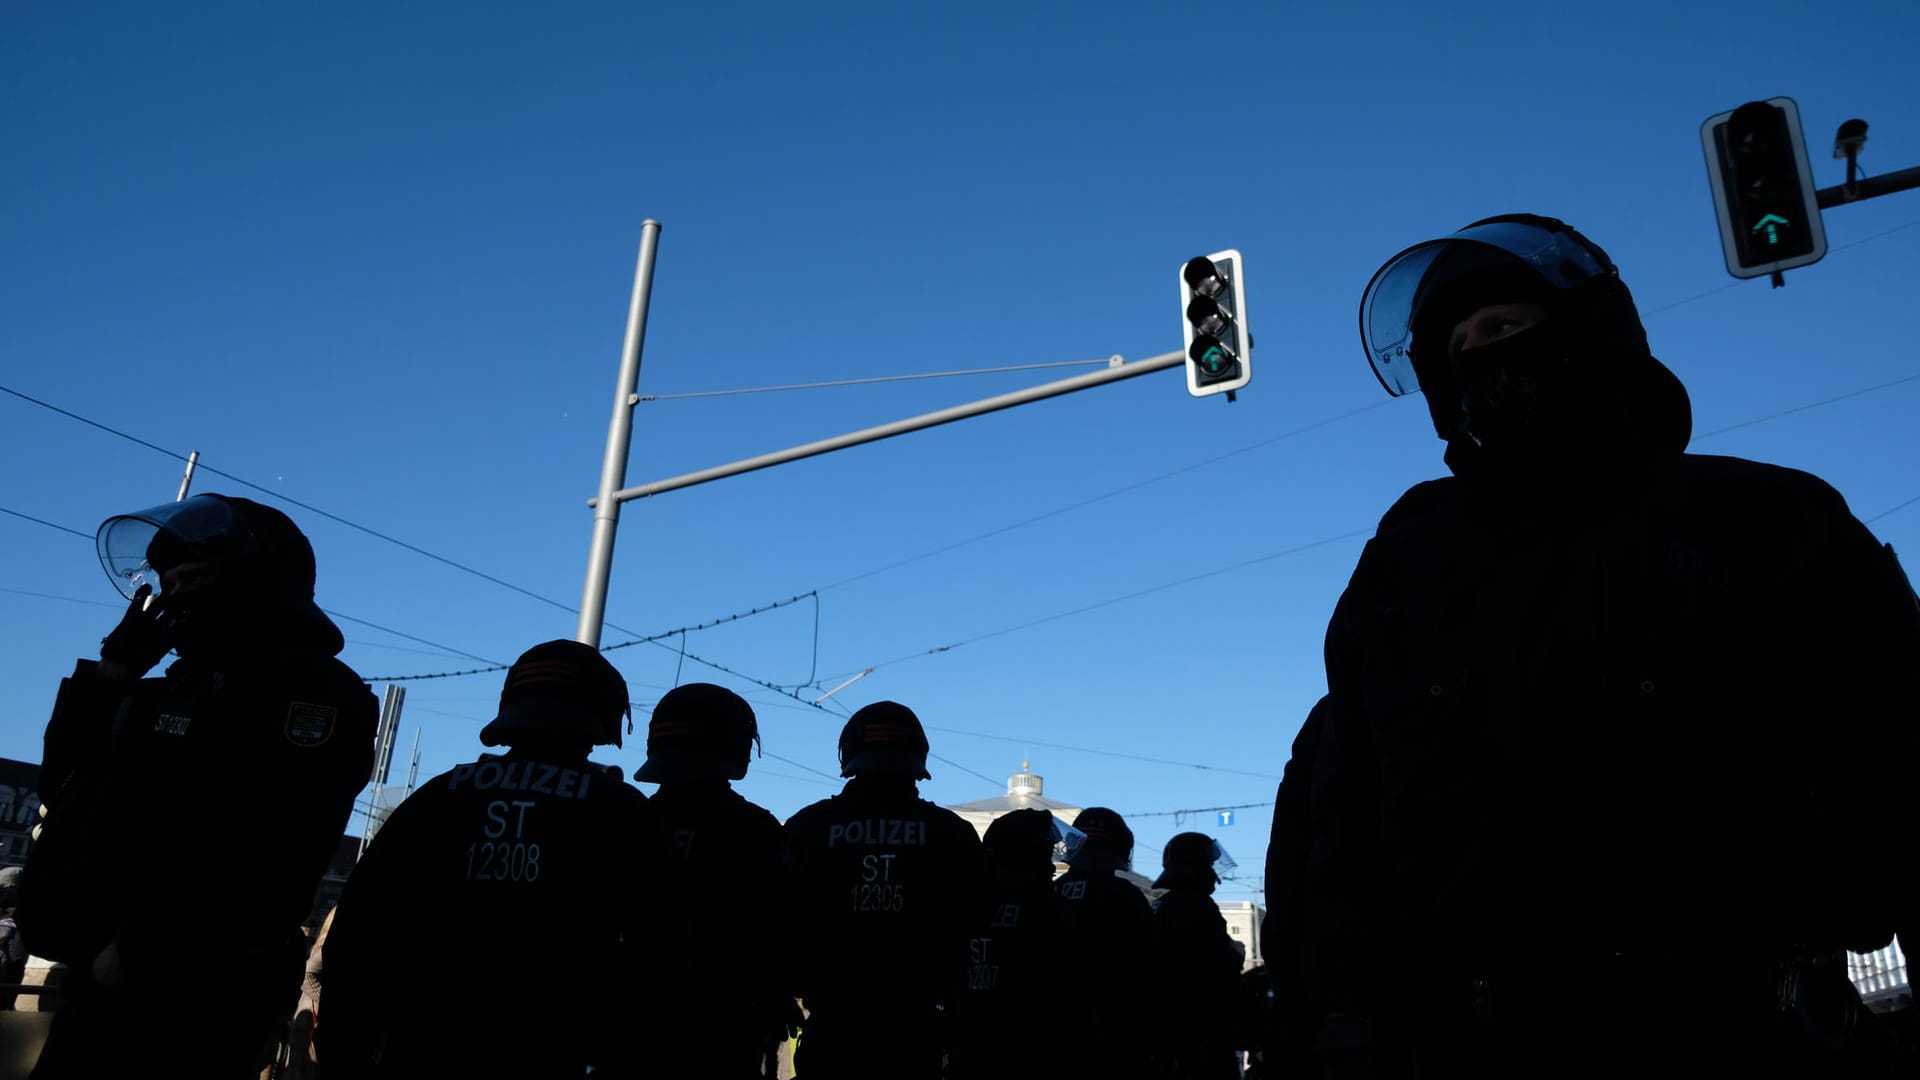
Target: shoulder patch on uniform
(309, 724)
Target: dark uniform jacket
(481, 933)
(723, 1006)
(189, 817)
(1286, 1027)
(1200, 984)
(1025, 1007)
(888, 890)
(1117, 923)
(1669, 706)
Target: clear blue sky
(377, 257)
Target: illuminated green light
(1771, 223)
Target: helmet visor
(1223, 864)
(135, 549)
(1067, 841)
(1398, 288)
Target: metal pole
(186, 480)
(613, 468)
(413, 762)
(1115, 373)
(1868, 187)
(390, 704)
(396, 697)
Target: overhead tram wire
(1329, 421)
(564, 607)
(1180, 815)
(639, 636)
(1863, 391)
(1026, 741)
(1892, 510)
(948, 648)
(437, 650)
(1111, 493)
(997, 783)
(1137, 593)
(494, 665)
(288, 499)
(651, 639)
(1903, 380)
(329, 611)
(572, 610)
(420, 708)
(775, 687)
(48, 524)
(66, 599)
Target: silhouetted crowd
(1615, 764)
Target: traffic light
(1763, 188)
(1213, 293)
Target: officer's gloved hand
(142, 639)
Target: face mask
(1514, 392)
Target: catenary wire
(564, 607)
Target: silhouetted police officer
(1285, 1031)
(189, 817)
(1024, 1010)
(481, 933)
(1200, 964)
(1117, 923)
(1623, 739)
(888, 890)
(719, 1014)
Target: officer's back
(481, 930)
(718, 1002)
(1024, 1007)
(888, 888)
(1117, 923)
(1199, 963)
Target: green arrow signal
(1214, 360)
(1771, 223)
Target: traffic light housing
(1763, 188)
(1213, 295)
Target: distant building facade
(19, 809)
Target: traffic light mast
(1213, 294)
(1763, 187)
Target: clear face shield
(1400, 287)
(1223, 864)
(202, 527)
(1067, 841)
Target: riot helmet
(559, 692)
(253, 564)
(1591, 338)
(884, 737)
(1193, 857)
(699, 732)
(1107, 842)
(1022, 841)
